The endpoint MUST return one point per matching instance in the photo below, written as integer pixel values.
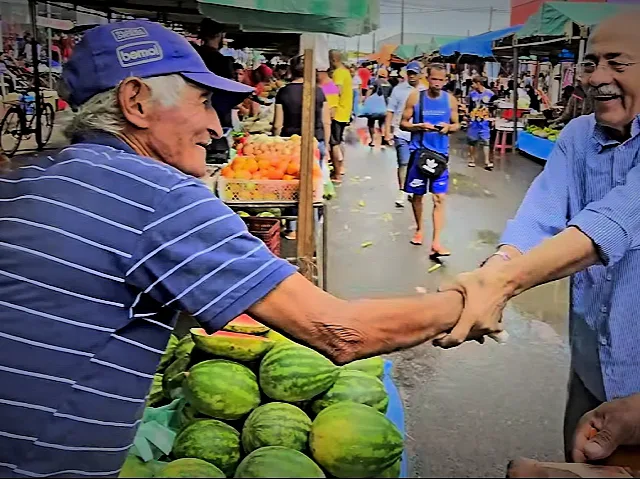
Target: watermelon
(393, 472)
(276, 337)
(373, 366)
(354, 440)
(354, 386)
(245, 324)
(135, 467)
(174, 376)
(291, 373)
(169, 351)
(236, 346)
(276, 424)
(155, 394)
(184, 347)
(212, 441)
(276, 461)
(222, 389)
(190, 467)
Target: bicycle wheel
(46, 123)
(11, 129)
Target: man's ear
(134, 98)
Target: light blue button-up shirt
(593, 183)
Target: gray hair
(436, 67)
(102, 112)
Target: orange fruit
(248, 150)
(243, 175)
(227, 172)
(238, 163)
(274, 174)
(251, 165)
(264, 164)
(293, 168)
(288, 177)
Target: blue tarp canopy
(478, 45)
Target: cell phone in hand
(438, 127)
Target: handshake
(485, 292)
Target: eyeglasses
(590, 66)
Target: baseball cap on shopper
(109, 53)
(414, 67)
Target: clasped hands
(485, 292)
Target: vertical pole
(491, 18)
(581, 49)
(305, 233)
(33, 11)
(515, 93)
(373, 42)
(359, 36)
(49, 45)
(402, 24)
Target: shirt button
(609, 277)
(603, 309)
(603, 341)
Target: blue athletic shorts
(402, 151)
(418, 184)
(478, 136)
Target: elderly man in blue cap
(104, 242)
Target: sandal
(488, 167)
(436, 255)
(471, 164)
(417, 239)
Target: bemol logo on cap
(122, 34)
(137, 53)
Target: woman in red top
(257, 78)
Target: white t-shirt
(356, 82)
(396, 105)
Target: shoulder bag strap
(421, 106)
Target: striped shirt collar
(601, 134)
(102, 138)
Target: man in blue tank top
(430, 129)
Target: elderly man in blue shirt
(581, 218)
(102, 243)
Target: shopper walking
(480, 103)
(378, 97)
(342, 78)
(401, 139)
(430, 116)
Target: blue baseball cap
(414, 67)
(109, 53)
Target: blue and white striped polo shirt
(99, 248)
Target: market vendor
(103, 242)
(581, 218)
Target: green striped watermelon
(184, 347)
(190, 467)
(276, 461)
(373, 366)
(393, 472)
(276, 337)
(174, 376)
(245, 324)
(212, 441)
(169, 351)
(276, 424)
(222, 389)
(354, 440)
(354, 386)
(236, 346)
(290, 372)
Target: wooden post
(305, 233)
(33, 12)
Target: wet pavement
(469, 410)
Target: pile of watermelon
(257, 404)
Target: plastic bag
(374, 106)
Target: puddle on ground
(548, 303)
(488, 237)
(460, 184)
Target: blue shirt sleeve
(196, 255)
(544, 212)
(613, 223)
(394, 99)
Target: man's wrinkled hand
(485, 293)
(601, 431)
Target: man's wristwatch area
(502, 254)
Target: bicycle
(19, 122)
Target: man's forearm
(411, 127)
(388, 128)
(558, 257)
(349, 330)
